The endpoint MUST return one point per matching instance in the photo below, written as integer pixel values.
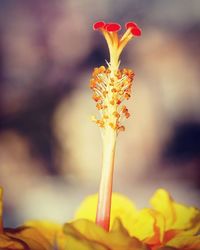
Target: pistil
(111, 86)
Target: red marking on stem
(98, 25)
(113, 27)
(105, 224)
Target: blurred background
(50, 151)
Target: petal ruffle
(48, 229)
(28, 236)
(149, 226)
(10, 243)
(185, 242)
(177, 215)
(91, 235)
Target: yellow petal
(185, 242)
(53, 232)
(10, 244)
(75, 240)
(118, 226)
(187, 218)
(48, 229)
(88, 233)
(163, 203)
(177, 215)
(167, 248)
(28, 236)
(122, 208)
(74, 243)
(149, 226)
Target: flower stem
(105, 189)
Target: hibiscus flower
(165, 225)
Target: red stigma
(136, 31)
(130, 25)
(112, 27)
(98, 25)
(105, 26)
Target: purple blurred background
(50, 152)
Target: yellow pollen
(109, 91)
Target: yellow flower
(167, 225)
(83, 234)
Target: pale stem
(105, 189)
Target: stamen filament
(105, 190)
(125, 35)
(124, 42)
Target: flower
(167, 225)
(83, 234)
(168, 222)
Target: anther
(96, 98)
(116, 114)
(121, 128)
